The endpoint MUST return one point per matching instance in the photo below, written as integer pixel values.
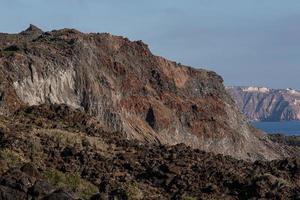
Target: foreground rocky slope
(264, 104)
(291, 142)
(128, 89)
(55, 152)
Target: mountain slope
(264, 104)
(56, 152)
(128, 89)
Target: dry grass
(66, 138)
(72, 181)
(10, 158)
(133, 191)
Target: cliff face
(264, 104)
(128, 89)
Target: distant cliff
(264, 104)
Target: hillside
(264, 104)
(128, 90)
(55, 152)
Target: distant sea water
(285, 127)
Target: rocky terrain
(290, 141)
(264, 104)
(128, 90)
(95, 116)
(57, 152)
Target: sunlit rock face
(128, 89)
(264, 104)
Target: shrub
(7, 53)
(133, 191)
(72, 181)
(36, 151)
(189, 198)
(12, 158)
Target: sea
(284, 127)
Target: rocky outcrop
(128, 89)
(264, 104)
(20, 184)
(56, 152)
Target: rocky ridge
(264, 104)
(128, 90)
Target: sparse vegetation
(189, 198)
(66, 138)
(36, 151)
(72, 181)
(9, 51)
(5, 53)
(133, 191)
(10, 158)
(62, 137)
(283, 139)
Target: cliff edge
(265, 104)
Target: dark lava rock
(109, 166)
(30, 170)
(7, 193)
(59, 195)
(41, 188)
(17, 180)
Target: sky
(248, 42)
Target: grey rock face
(52, 88)
(264, 104)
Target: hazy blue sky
(248, 42)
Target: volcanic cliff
(265, 104)
(128, 89)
